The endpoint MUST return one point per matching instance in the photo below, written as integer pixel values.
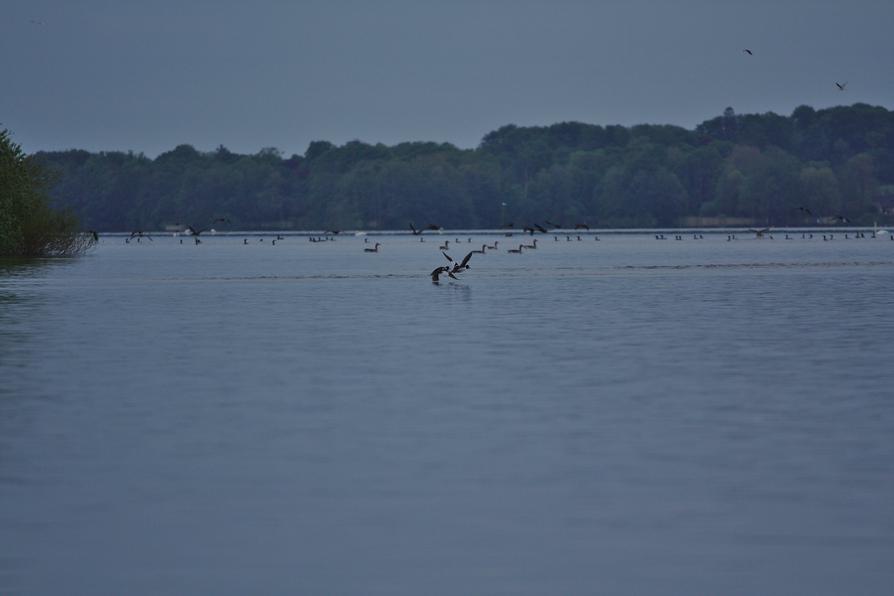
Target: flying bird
(437, 273)
(428, 227)
(841, 86)
(749, 52)
(464, 264)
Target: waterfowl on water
(375, 249)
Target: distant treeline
(806, 168)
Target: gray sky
(147, 76)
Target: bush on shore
(29, 227)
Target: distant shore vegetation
(29, 227)
(809, 168)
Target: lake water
(628, 416)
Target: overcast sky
(147, 76)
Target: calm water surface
(626, 416)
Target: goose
(531, 246)
(428, 227)
(463, 265)
(376, 249)
(437, 273)
(195, 233)
(516, 251)
(445, 246)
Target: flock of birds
(455, 267)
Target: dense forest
(814, 166)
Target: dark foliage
(28, 226)
(838, 161)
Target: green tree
(28, 226)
